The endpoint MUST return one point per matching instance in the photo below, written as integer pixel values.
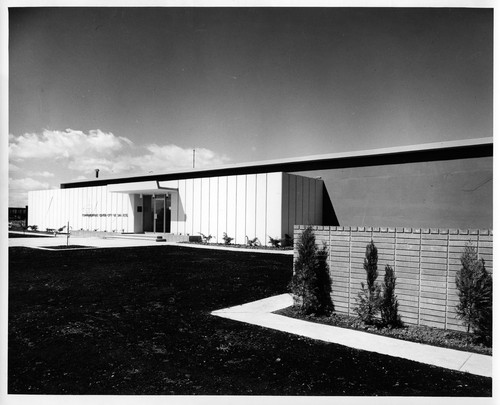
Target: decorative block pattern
(425, 262)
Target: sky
(131, 91)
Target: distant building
(446, 184)
(18, 213)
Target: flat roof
(450, 150)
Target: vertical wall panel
(285, 228)
(189, 206)
(319, 202)
(298, 202)
(63, 212)
(77, 215)
(59, 212)
(250, 206)
(260, 209)
(205, 206)
(70, 208)
(273, 206)
(99, 210)
(181, 214)
(110, 209)
(174, 210)
(115, 224)
(120, 204)
(222, 208)
(241, 209)
(292, 202)
(131, 212)
(231, 206)
(214, 208)
(305, 200)
(312, 201)
(196, 207)
(92, 202)
(72, 193)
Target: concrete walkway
(260, 313)
(43, 242)
(46, 241)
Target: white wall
(240, 205)
(87, 208)
(253, 205)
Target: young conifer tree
(311, 283)
(475, 293)
(389, 303)
(368, 301)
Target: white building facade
(259, 206)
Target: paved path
(260, 313)
(46, 241)
(90, 241)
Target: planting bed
(420, 334)
(232, 245)
(137, 321)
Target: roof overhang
(141, 187)
(439, 151)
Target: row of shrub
(287, 241)
(311, 286)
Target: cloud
(67, 144)
(14, 168)
(112, 155)
(41, 174)
(18, 190)
(171, 157)
(27, 184)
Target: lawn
(137, 321)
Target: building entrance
(156, 213)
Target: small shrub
(33, 227)
(274, 242)
(227, 240)
(389, 303)
(475, 293)
(311, 284)
(205, 239)
(368, 301)
(287, 241)
(252, 242)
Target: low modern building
(446, 184)
(240, 205)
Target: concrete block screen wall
(425, 262)
(254, 205)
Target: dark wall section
(329, 215)
(452, 194)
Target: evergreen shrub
(475, 293)
(369, 298)
(311, 284)
(389, 303)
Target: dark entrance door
(156, 213)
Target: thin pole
(194, 151)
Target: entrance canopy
(142, 187)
